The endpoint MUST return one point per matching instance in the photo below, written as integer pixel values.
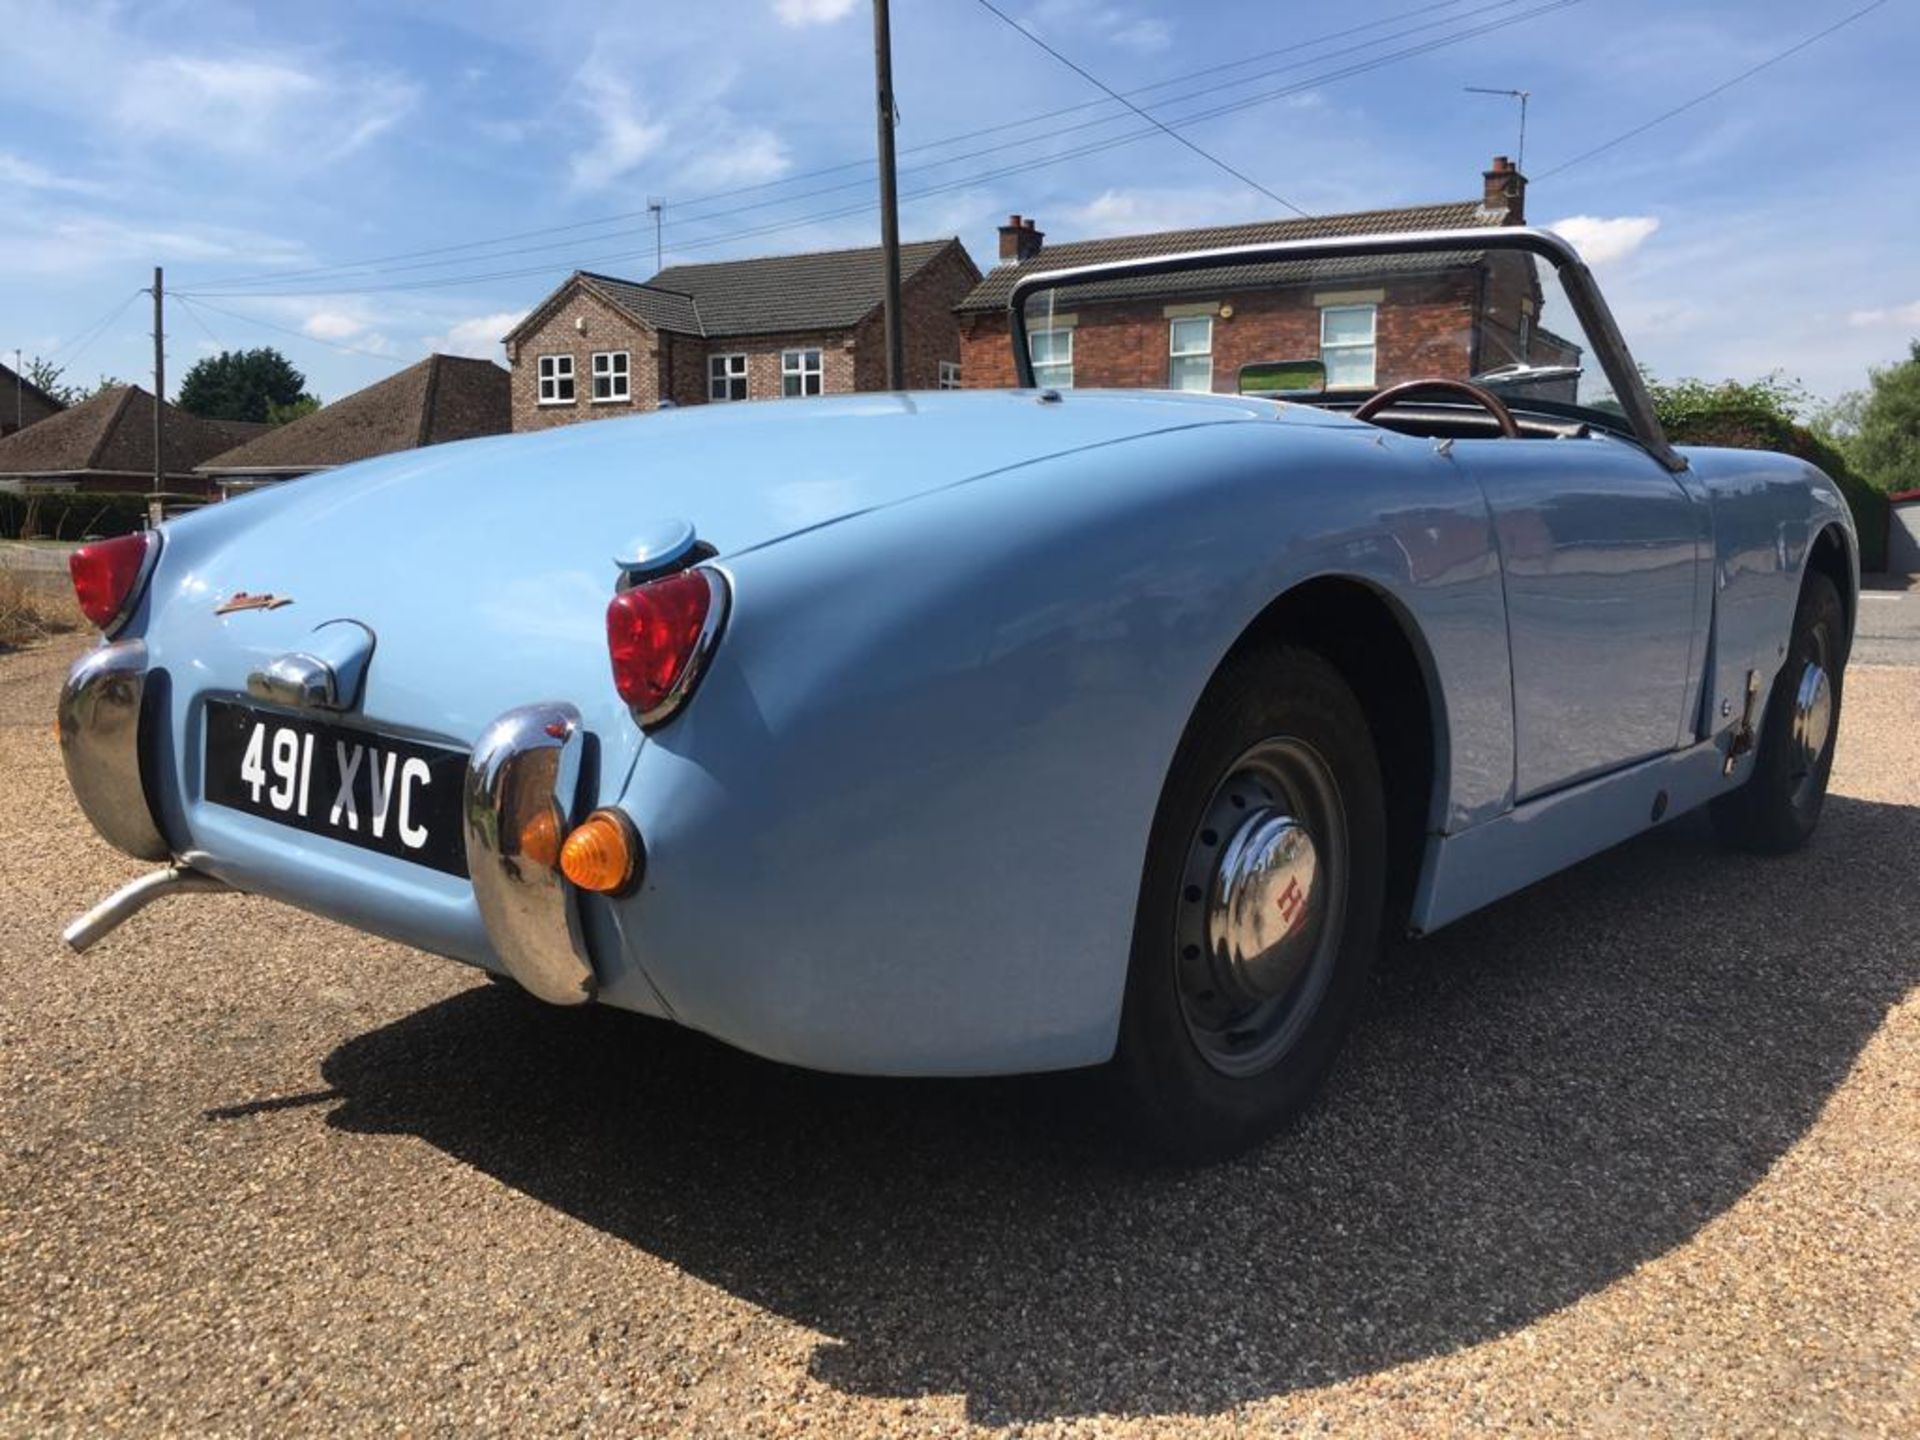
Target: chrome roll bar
(1589, 306)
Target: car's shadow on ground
(1536, 1101)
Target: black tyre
(1776, 809)
(1260, 905)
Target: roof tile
(112, 433)
(821, 290)
(444, 397)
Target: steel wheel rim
(1262, 906)
(1812, 729)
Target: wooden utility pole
(154, 502)
(889, 200)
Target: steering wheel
(1479, 395)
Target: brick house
(735, 330)
(1395, 319)
(441, 398)
(105, 443)
(22, 402)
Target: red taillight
(105, 574)
(658, 635)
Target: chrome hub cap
(1264, 909)
(1812, 716)
(1263, 894)
(1812, 730)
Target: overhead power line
(946, 187)
(200, 320)
(386, 263)
(93, 331)
(1094, 80)
(1707, 95)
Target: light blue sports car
(963, 733)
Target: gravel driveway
(1637, 1152)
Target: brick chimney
(1506, 192)
(1019, 240)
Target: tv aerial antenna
(1520, 156)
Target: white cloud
(1114, 24)
(1146, 37)
(1904, 316)
(70, 242)
(332, 325)
(628, 135)
(1601, 241)
(478, 337)
(1141, 211)
(751, 156)
(26, 175)
(114, 75)
(798, 13)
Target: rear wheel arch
(1367, 636)
(1831, 555)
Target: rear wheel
(1778, 807)
(1260, 906)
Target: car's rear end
(350, 701)
(410, 695)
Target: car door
(1604, 554)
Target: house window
(949, 374)
(611, 378)
(1346, 345)
(556, 379)
(1190, 353)
(726, 377)
(800, 372)
(1052, 359)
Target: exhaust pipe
(130, 899)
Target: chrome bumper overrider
(525, 766)
(100, 745)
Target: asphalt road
(1637, 1152)
(1889, 627)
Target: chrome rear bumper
(524, 782)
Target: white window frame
(552, 371)
(1371, 344)
(722, 371)
(807, 365)
(619, 377)
(950, 375)
(1176, 354)
(1046, 374)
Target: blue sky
(245, 146)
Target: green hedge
(71, 516)
(1756, 417)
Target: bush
(70, 515)
(1760, 415)
(28, 614)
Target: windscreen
(1325, 330)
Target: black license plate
(381, 793)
